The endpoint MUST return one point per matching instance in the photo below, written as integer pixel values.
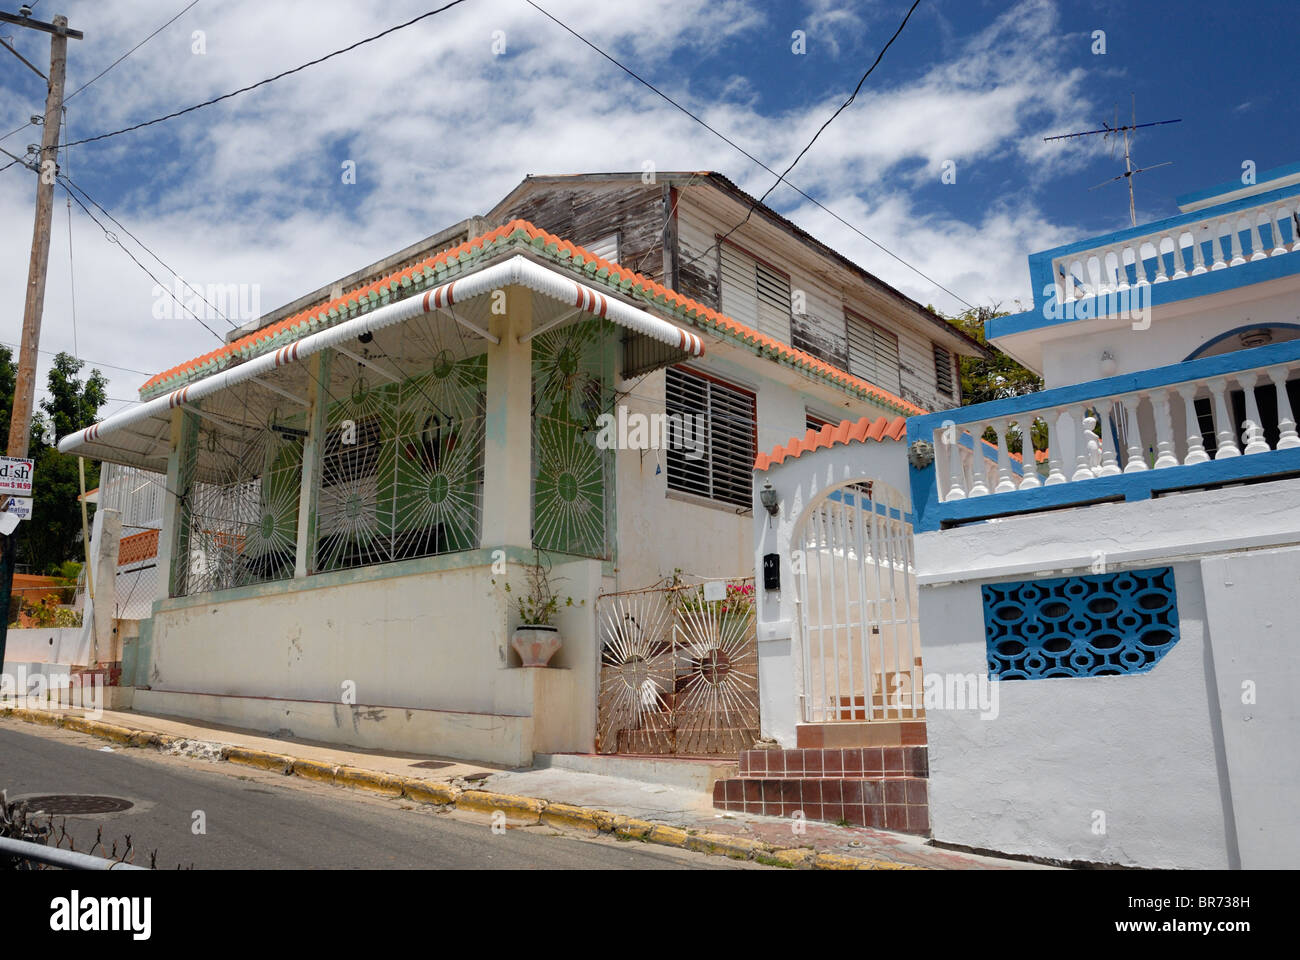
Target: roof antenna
(1108, 131)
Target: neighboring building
(1109, 647)
(352, 482)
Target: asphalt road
(259, 820)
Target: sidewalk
(656, 813)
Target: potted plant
(536, 639)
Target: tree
(53, 534)
(995, 377)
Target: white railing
(1192, 248)
(1167, 421)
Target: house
(1108, 646)
(359, 485)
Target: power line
(745, 153)
(112, 238)
(131, 51)
(143, 246)
(93, 363)
(278, 76)
(829, 120)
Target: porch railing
(1225, 236)
(1201, 423)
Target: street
(258, 820)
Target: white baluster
(1198, 255)
(1082, 468)
(1286, 427)
(1055, 474)
(1165, 456)
(1260, 243)
(1253, 434)
(1109, 462)
(1195, 444)
(1123, 267)
(1224, 432)
(1161, 276)
(1279, 217)
(1029, 477)
(1180, 259)
(1005, 483)
(1295, 233)
(1135, 462)
(1237, 257)
(979, 484)
(1140, 268)
(949, 437)
(1217, 248)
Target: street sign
(21, 507)
(15, 477)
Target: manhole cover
(70, 804)
(431, 764)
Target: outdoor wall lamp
(1109, 365)
(768, 497)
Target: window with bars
(721, 467)
(873, 353)
(943, 371)
(753, 292)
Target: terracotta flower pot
(536, 644)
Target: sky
(441, 119)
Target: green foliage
(53, 535)
(995, 377)
(539, 603)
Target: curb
(526, 810)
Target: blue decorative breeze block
(1092, 626)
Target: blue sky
(440, 127)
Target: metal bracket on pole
(549, 325)
(496, 341)
(284, 393)
(366, 362)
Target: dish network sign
(15, 477)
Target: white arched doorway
(856, 606)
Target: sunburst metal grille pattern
(571, 502)
(239, 512)
(401, 471)
(679, 672)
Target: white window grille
(718, 465)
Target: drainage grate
(71, 804)
(431, 764)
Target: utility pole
(25, 384)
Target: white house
(356, 484)
(1108, 646)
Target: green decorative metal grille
(571, 501)
(239, 511)
(401, 471)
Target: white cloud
(440, 128)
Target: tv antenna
(1109, 131)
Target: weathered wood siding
(588, 212)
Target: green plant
(539, 603)
(46, 612)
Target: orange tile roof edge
(592, 266)
(847, 431)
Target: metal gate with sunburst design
(678, 669)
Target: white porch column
(508, 445)
(169, 538)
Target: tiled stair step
(832, 762)
(889, 732)
(886, 803)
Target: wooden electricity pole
(20, 420)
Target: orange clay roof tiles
(632, 283)
(847, 431)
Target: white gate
(858, 607)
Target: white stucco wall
(1139, 749)
(1250, 605)
(1184, 772)
(436, 640)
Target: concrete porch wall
(411, 656)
